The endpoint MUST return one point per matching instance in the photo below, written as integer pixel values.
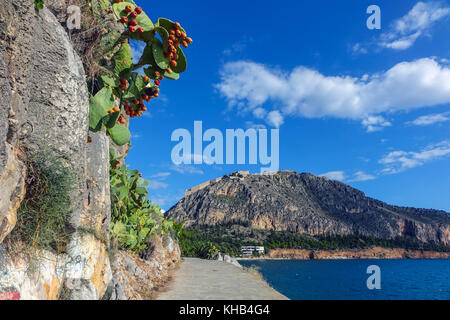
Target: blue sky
(368, 107)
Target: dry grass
(96, 23)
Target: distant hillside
(307, 205)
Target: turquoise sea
(347, 279)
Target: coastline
(356, 254)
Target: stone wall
(239, 174)
(201, 186)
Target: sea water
(347, 279)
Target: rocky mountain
(305, 204)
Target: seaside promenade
(198, 279)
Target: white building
(250, 250)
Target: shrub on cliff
(121, 90)
(43, 217)
(134, 218)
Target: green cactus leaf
(123, 59)
(164, 34)
(109, 81)
(141, 191)
(143, 234)
(146, 36)
(181, 62)
(158, 55)
(133, 173)
(119, 134)
(123, 193)
(126, 74)
(119, 8)
(150, 72)
(118, 228)
(138, 81)
(167, 24)
(137, 84)
(98, 108)
(143, 21)
(109, 42)
(172, 75)
(147, 55)
(110, 120)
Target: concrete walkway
(198, 279)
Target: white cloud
(155, 185)
(397, 161)
(161, 175)
(364, 159)
(305, 92)
(238, 46)
(375, 123)
(406, 30)
(334, 175)
(252, 125)
(275, 119)
(358, 48)
(136, 135)
(342, 176)
(166, 199)
(431, 119)
(361, 176)
(186, 169)
(259, 113)
(402, 43)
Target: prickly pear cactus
(162, 58)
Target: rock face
(370, 253)
(45, 106)
(306, 204)
(11, 170)
(12, 189)
(136, 278)
(44, 282)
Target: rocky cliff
(44, 106)
(309, 205)
(369, 253)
